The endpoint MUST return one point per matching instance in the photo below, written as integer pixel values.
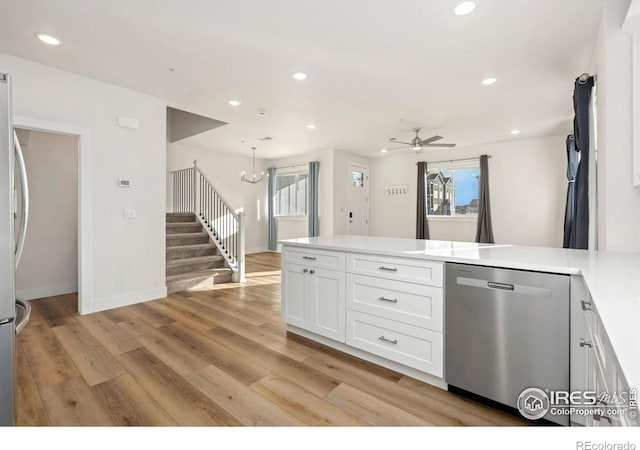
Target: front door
(358, 212)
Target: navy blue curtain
(422, 223)
(484, 227)
(579, 229)
(573, 158)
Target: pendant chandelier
(253, 180)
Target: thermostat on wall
(123, 182)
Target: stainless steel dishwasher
(506, 331)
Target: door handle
(501, 286)
(24, 188)
(586, 306)
(305, 270)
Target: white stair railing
(193, 192)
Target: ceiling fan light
(417, 147)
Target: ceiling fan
(418, 145)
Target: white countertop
(613, 278)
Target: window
(358, 179)
(453, 191)
(291, 193)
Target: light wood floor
(212, 357)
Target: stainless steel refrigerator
(13, 198)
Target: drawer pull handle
(584, 343)
(305, 270)
(598, 417)
(390, 341)
(390, 269)
(586, 306)
(312, 271)
(390, 300)
(310, 258)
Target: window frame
(297, 172)
(451, 166)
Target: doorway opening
(49, 263)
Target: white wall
(223, 170)
(527, 187)
(126, 262)
(619, 201)
(49, 264)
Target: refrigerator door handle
(24, 188)
(24, 314)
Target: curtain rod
(290, 166)
(453, 160)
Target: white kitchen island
(382, 299)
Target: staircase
(193, 261)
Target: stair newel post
(195, 186)
(239, 275)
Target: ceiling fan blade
(398, 148)
(441, 145)
(399, 142)
(431, 139)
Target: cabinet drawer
(410, 303)
(412, 346)
(321, 259)
(401, 269)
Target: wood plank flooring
(214, 357)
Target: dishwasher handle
(501, 286)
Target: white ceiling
(370, 63)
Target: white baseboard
(48, 291)
(102, 304)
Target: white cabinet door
(314, 300)
(325, 294)
(294, 306)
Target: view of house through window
(291, 193)
(453, 192)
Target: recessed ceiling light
(384, 150)
(234, 102)
(515, 131)
(489, 81)
(300, 76)
(311, 126)
(47, 39)
(464, 8)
